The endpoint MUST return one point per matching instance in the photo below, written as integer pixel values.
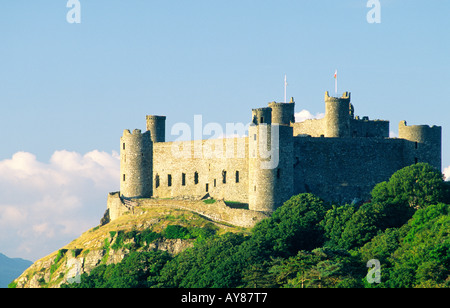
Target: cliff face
(111, 243)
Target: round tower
(270, 162)
(283, 113)
(156, 125)
(262, 116)
(337, 115)
(136, 165)
(425, 144)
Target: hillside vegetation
(305, 243)
(158, 230)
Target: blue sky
(67, 91)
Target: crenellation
(340, 157)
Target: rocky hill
(144, 230)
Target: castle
(339, 158)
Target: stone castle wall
(217, 211)
(196, 168)
(313, 128)
(339, 158)
(344, 169)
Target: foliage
(61, 253)
(137, 270)
(292, 227)
(137, 239)
(416, 186)
(180, 232)
(212, 264)
(319, 268)
(175, 231)
(393, 203)
(418, 253)
(308, 243)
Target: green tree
(292, 227)
(418, 253)
(214, 263)
(415, 186)
(334, 224)
(137, 270)
(349, 227)
(319, 268)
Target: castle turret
(270, 162)
(425, 144)
(283, 113)
(262, 116)
(136, 165)
(156, 125)
(337, 115)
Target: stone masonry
(339, 158)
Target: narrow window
(124, 177)
(416, 145)
(123, 146)
(224, 177)
(262, 120)
(215, 182)
(169, 180)
(278, 173)
(196, 178)
(237, 176)
(416, 160)
(254, 137)
(183, 179)
(157, 181)
(254, 188)
(207, 187)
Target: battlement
(135, 132)
(420, 127)
(346, 96)
(342, 159)
(262, 115)
(155, 117)
(283, 113)
(419, 133)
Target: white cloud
(447, 173)
(306, 115)
(44, 206)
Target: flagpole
(335, 81)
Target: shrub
(176, 232)
(416, 186)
